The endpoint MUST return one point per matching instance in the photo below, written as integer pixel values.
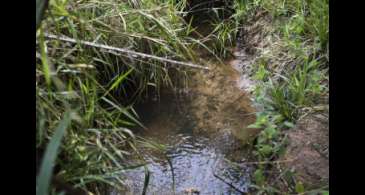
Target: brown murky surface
(203, 127)
(217, 102)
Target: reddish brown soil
(308, 147)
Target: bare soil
(308, 150)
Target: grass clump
(291, 61)
(99, 86)
(289, 42)
(149, 27)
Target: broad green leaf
(259, 177)
(271, 132)
(254, 126)
(325, 193)
(299, 188)
(289, 124)
(49, 157)
(266, 150)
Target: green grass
(291, 71)
(224, 36)
(101, 86)
(298, 89)
(45, 173)
(292, 68)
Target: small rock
(191, 191)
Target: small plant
(223, 37)
(291, 75)
(317, 23)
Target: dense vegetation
(85, 91)
(291, 67)
(92, 90)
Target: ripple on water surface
(203, 132)
(196, 165)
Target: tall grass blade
(45, 174)
(146, 181)
(118, 81)
(124, 111)
(41, 6)
(44, 59)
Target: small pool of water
(204, 130)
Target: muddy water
(203, 127)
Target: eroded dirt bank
(307, 149)
(307, 153)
